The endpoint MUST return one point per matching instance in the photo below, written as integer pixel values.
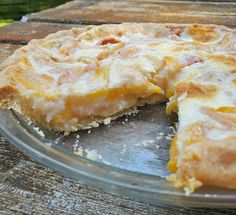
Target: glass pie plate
(127, 156)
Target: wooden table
(29, 187)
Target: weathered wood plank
(19, 32)
(96, 12)
(7, 50)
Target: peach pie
(77, 78)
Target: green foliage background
(14, 9)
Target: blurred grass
(5, 22)
(14, 9)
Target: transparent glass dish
(126, 157)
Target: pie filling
(73, 79)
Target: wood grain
(22, 33)
(111, 11)
(7, 50)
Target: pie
(78, 78)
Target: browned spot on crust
(108, 40)
(196, 89)
(180, 48)
(202, 34)
(227, 60)
(176, 30)
(69, 49)
(222, 117)
(109, 52)
(7, 95)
